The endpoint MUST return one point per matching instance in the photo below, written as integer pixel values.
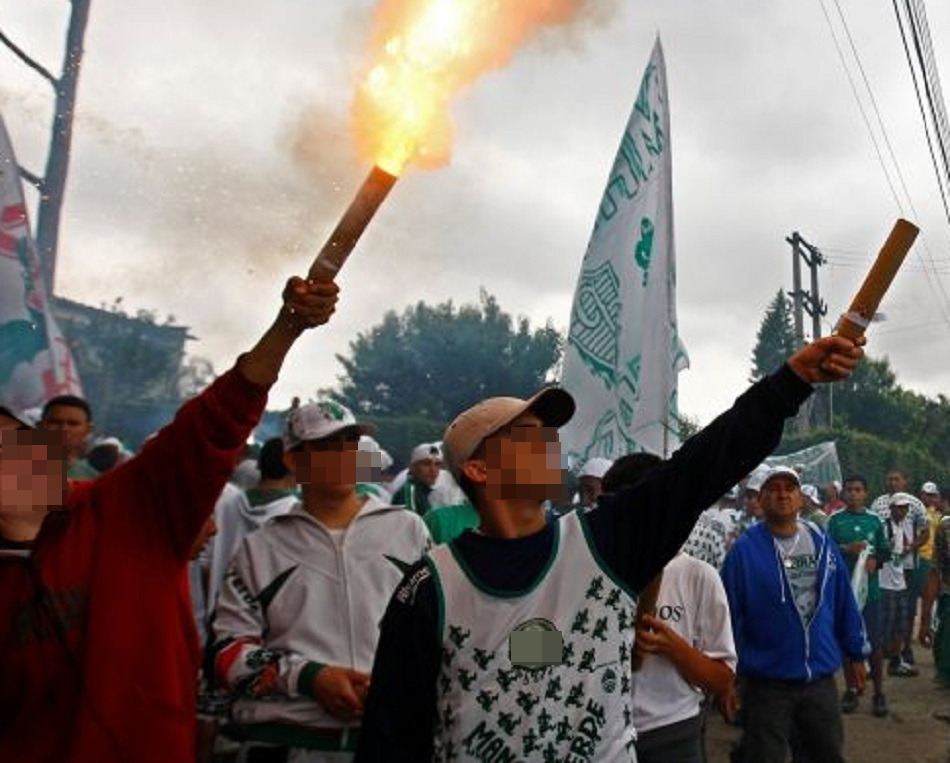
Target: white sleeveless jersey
(506, 692)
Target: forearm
(712, 676)
(928, 597)
(262, 364)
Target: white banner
(35, 362)
(623, 352)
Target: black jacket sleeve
(400, 709)
(640, 528)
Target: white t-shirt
(891, 577)
(692, 601)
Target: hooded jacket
(772, 640)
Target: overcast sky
(212, 158)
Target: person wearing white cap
(297, 615)
(811, 507)
(425, 463)
(930, 497)
(895, 480)
(590, 480)
(794, 617)
(896, 602)
(512, 642)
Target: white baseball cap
(779, 471)
(318, 420)
(901, 499)
(424, 452)
(930, 487)
(811, 493)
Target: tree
(776, 338)
(436, 360)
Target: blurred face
(855, 495)
(73, 422)
(896, 482)
(333, 460)
(523, 461)
(426, 471)
(831, 492)
(32, 469)
(781, 498)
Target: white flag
(35, 362)
(623, 352)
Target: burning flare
(425, 51)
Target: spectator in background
(106, 454)
(425, 463)
(854, 530)
(937, 591)
(590, 481)
(930, 498)
(896, 482)
(241, 512)
(833, 498)
(895, 596)
(686, 647)
(71, 415)
(811, 510)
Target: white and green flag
(35, 362)
(623, 352)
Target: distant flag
(623, 352)
(35, 362)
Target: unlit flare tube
(364, 206)
(878, 280)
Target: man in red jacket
(98, 650)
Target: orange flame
(423, 53)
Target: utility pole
(807, 302)
(52, 185)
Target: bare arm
(656, 638)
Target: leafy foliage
(436, 360)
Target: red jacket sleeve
(160, 499)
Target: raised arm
(164, 495)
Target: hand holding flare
(835, 365)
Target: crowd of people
(307, 606)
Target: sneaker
(879, 706)
(907, 656)
(904, 670)
(849, 702)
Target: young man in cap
(793, 616)
(513, 641)
(897, 606)
(100, 653)
(590, 480)
(298, 614)
(425, 463)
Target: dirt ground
(910, 734)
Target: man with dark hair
(71, 415)
(856, 530)
(99, 654)
(513, 641)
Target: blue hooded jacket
(772, 640)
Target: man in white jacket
(298, 614)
